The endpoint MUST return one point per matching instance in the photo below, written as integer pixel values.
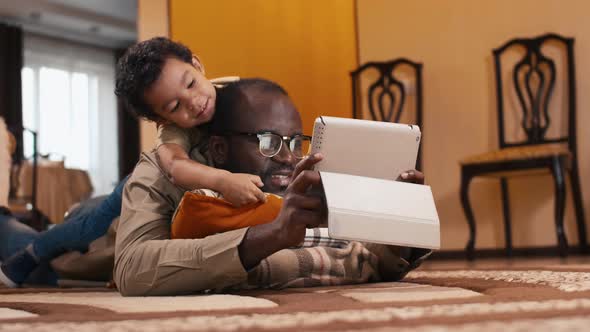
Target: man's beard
(267, 172)
(274, 178)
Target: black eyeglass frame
(284, 139)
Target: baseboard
(501, 253)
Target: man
(148, 262)
(186, 266)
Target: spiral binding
(318, 136)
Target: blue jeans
(85, 224)
(15, 236)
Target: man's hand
(411, 176)
(302, 208)
(303, 203)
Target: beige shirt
(192, 140)
(148, 262)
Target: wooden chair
(533, 79)
(387, 85)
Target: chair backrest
(533, 79)
(386, 85)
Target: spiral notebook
(366, 148)
(362, 160)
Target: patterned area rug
(547, 298)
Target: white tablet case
(375, 149)
(361, 161)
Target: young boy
(162, 81)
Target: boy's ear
(198, 64)
(218, 150)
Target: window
(68, 99)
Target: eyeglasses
(270, 144)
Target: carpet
(544, 298)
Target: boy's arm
(238, 189)
(186, 172)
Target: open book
(380, 211)
(362, 159)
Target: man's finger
(307, 164)
(314, 220)
(311, 219)
(305, 180)
(305, 202)
(418, 177)
(411, 176)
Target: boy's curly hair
(140, 67)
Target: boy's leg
(88, 222)
(14, 238)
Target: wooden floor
(486, 263)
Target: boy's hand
(411, 176)
(242, 189)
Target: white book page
(381, 211)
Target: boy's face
(182, 95)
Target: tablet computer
(365, 148)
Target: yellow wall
(307, 46)
(152, 21)
(454, 38)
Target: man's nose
(285, 156)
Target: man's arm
(147, 262)
(300, 210)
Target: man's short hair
(141, 66)
(231, 99)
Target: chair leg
(578, 206)
(558, 178)
(470, 248)
(506, 211)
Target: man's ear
(218, 149)
(198, 64)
